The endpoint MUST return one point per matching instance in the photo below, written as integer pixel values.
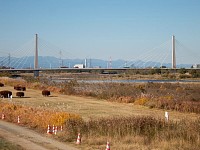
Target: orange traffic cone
(18, 120)
(3, 117)
(108, 146)
(78, 141)
(48, 130)
(55, 131)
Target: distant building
(79, 66)
(196, 66)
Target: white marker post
(166, 116)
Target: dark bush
(1, 84)
(46, 93)
(20, 88)
(5, 94)
(20, 94)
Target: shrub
(20, 94)
(1, 84)
(141, 101)
(46, 93)
(20, 88)
(5, 94)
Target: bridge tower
(173, 53)
(36, 72)
(36, 52)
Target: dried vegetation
(134, 132)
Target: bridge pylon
(36, 72)
(173, 53)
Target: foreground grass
(137, 133)
(134, 132)
(5, 145)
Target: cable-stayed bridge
(171, 54)
(49, 56)
(40, 54)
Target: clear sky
(100, 28)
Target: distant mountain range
(53, 62)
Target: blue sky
(119, 29)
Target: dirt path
(29, 139)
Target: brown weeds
(122, 132)
(35, 118)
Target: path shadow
(22, 97)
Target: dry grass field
(89, 107)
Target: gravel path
(29, 139)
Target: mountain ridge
(53, 62)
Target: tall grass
(147, 127)
(127, 132)
(122, 132)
